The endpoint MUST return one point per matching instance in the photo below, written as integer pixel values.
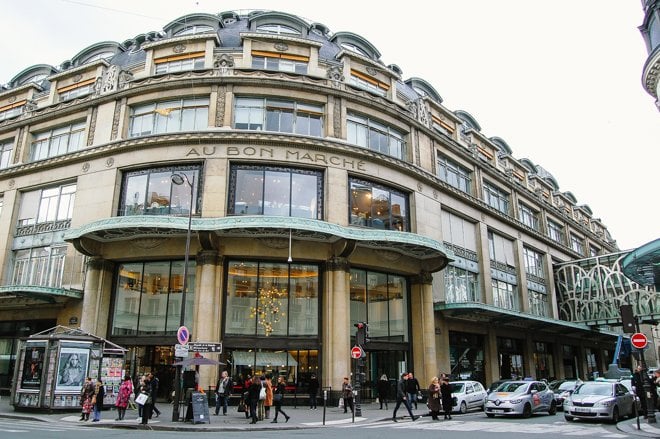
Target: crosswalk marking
(558, 428)
(23, 426)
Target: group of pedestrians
(440, 398)
(258, 397)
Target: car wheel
(553, 409)
(463, 407)
(615, 415)
(527, 411)
(568, 418)
(490, 415)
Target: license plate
(497, 410)
(582, 410)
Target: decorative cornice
(423, 278)
(208, 257)
(337, 264)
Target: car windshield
(456, 387)
(512, 387)
(594, 389)
(566, 385)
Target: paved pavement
(301, 417)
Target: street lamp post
(179, 179)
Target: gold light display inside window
(269, 308)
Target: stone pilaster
(425, 360)
(96, 298)
(208, 306)
(492, 360)
(336, 321)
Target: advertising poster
(33, 367)
(71, 369)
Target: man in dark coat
(402, 397)
(313, 391)
(154, 382)
(445, 392)
(253, 399)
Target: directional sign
(180, 350)
(356, 352)
(183, 335)
(638, 340)
(205, 347)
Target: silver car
(468, 395)
(521, 398)
(599, 400)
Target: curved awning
(25, 296)
(430, 252)
(642, 265)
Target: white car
(467, 395)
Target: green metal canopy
(642, 265)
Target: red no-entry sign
(638, 340)
(356, 352)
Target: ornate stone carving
(19, 145)
(388, 255)
(108, 81)
(77, 78)
(372, 71)
(277, 243)
(281, 46)
(337, 264)
(179, 48)
(109, 162)
(423, 278)
(336, 75)
(96, 263)
(224, 63)
(12, 99)
(124, 78)
(419, 187)
(148, 243)
(30, 105)
(11, 183)
(220, 106)
(336, 118)
(208, 257)
(115, 120)
(421, 111)
(92, 126)
(85, 167)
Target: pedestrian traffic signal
(362, 333)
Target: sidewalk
(301, 417)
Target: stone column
(443, 347)
(425, 361)
(529, 366)
(492, 360)
(335, 334)
(558, 359)
(208, 307)
(96, 298)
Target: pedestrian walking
(268, 402)
(445, 395)
(86, 395)
(123, 397)
(99, 394)
(402, 397)
(253, 399)
(383, 389)
(434, 398)
(413, 389)
(347, 394)
(147, 401)
(222, 393)
(154, 382)
(313, 390)
(278, 399)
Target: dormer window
(366, 82)
(35, 78)
(353, 48)
(179, 63)
(280, 62)
(193, 30)
(279, 29)
(103, 55)
(76, 90)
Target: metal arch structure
(591, 291)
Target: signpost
(638, 340)
(183, 335)
(205, 347)
(180, 350)
(356, 352)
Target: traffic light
(362, 333)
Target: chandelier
(269, 308)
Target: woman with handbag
(99, 394)
(145, 398)
(383, 388)
(123, 397)
(278, 399)
(86, 399)
(434, 398)
(445, 392)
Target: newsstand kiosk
(51, 367)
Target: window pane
(153, 303)
(158, 193)
(241, 298)
(378, 312)
(303, 195)
(304, 300)
(273, 299)
(380, 208)
(360, 204)
(277, 193)
(127, 299)
(358, 297)
(135, 194)
(249, 192)
(398, 308)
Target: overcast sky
(559, 81)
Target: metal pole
(650, 408)
(178, 179)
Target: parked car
(599, 400)
(467, 395)
(495, 385)
(521, 398)
(563, 389)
